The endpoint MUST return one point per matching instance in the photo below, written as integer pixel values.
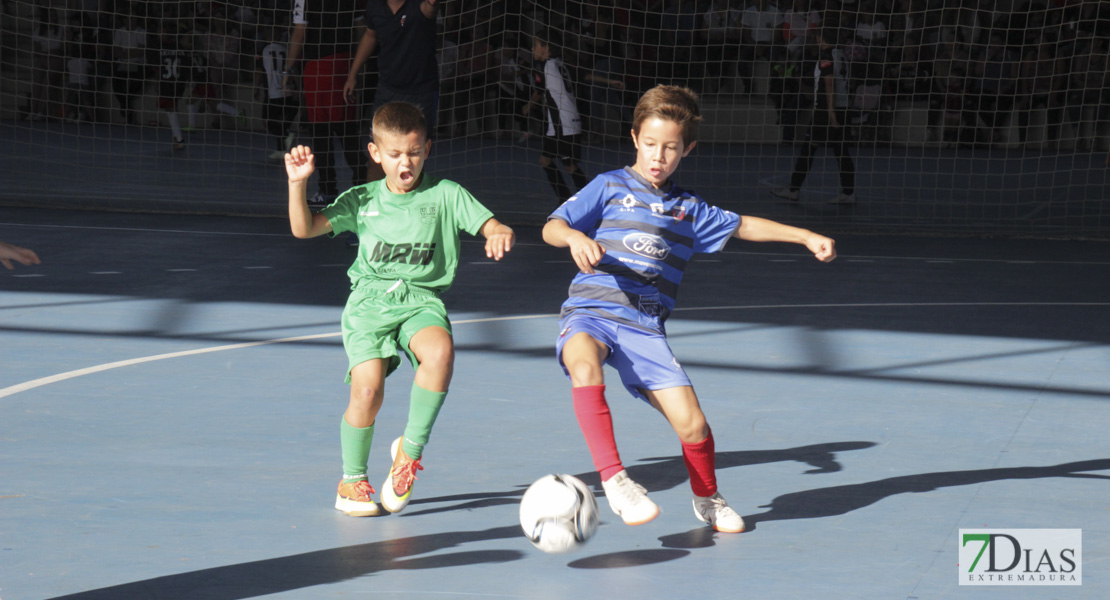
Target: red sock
(597, 426)
(701, 462)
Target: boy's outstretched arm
(755, 229)
(23, 256)
(299, 165)
(499, 238)
(583, 249)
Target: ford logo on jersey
(645, 244)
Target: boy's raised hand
(299, 163)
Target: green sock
(423, 409)
(355, 443)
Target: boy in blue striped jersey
(632, 232)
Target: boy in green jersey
(408, 224)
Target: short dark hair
(552, 38)
(400, 118)
(670, 103)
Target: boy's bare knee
(585, 373)
(365, 396)
(692, 429)
(438, 356)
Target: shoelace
(404, 475)
(718, 507)
(362, 486)
(632, 491)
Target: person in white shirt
(553, 90)
(280, 106)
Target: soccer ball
(558, 513)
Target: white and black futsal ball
(558, 513)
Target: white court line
(892, 305)
(29, 385)
(35, 383)
(143, 230)
(200, 232)
(848, 257)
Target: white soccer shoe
(629, 499)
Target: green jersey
(413, 237)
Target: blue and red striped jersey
(649, 236)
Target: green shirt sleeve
(343, 213)
(469, 214)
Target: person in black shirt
(405, 32)
(830, 106)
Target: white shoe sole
(356, 509)
(717, 527)
(640, 521)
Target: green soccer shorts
(381, 318)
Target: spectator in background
(47, 64)
(174, 72)
(324, 40)
(280, 106)
(830, 118)
(405, 32)
(866, 100)
(553, 92)
(129, 42)
(759, 22)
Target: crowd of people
(981, 67)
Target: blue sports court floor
(171, 388)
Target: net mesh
(961, 116)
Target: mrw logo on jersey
(420, 253)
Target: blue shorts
(643, 359)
